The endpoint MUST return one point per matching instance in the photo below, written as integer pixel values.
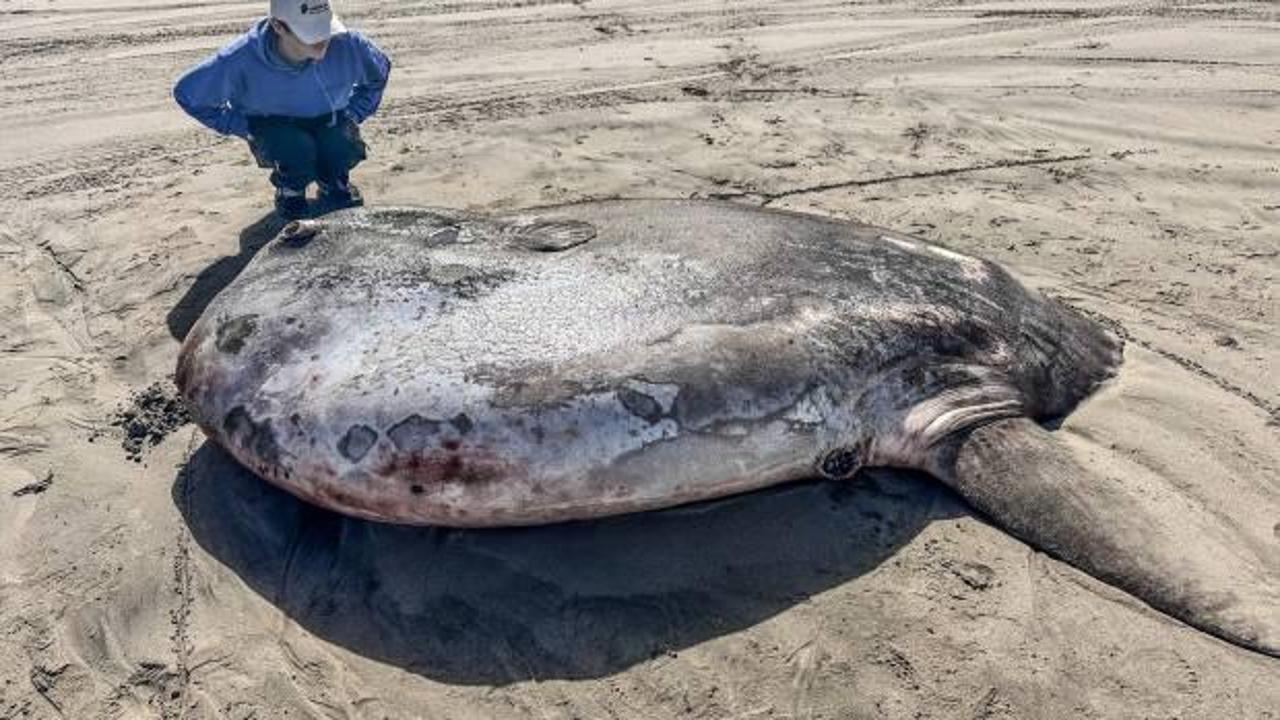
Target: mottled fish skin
(432, 366)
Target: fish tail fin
(1136, 533)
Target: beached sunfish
(430, 366)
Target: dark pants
(304, 150)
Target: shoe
(290, 204)
(340, 195)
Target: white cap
(311, 21)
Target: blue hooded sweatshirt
(249, 77)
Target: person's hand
(350, 127)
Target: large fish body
(434, 367)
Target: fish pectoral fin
(1136, 533)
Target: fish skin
(430, 366)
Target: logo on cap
(316, 8)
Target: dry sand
(1124, 156)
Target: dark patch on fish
(413, 433)
(435, 468)
(232, 333)
(256, 438)
(462, 423)
(357, 442)
(641, 405)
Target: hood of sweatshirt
(265, 44)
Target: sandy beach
(1123, 157)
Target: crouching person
(296, 86)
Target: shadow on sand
(577, 600)
(217, 276)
